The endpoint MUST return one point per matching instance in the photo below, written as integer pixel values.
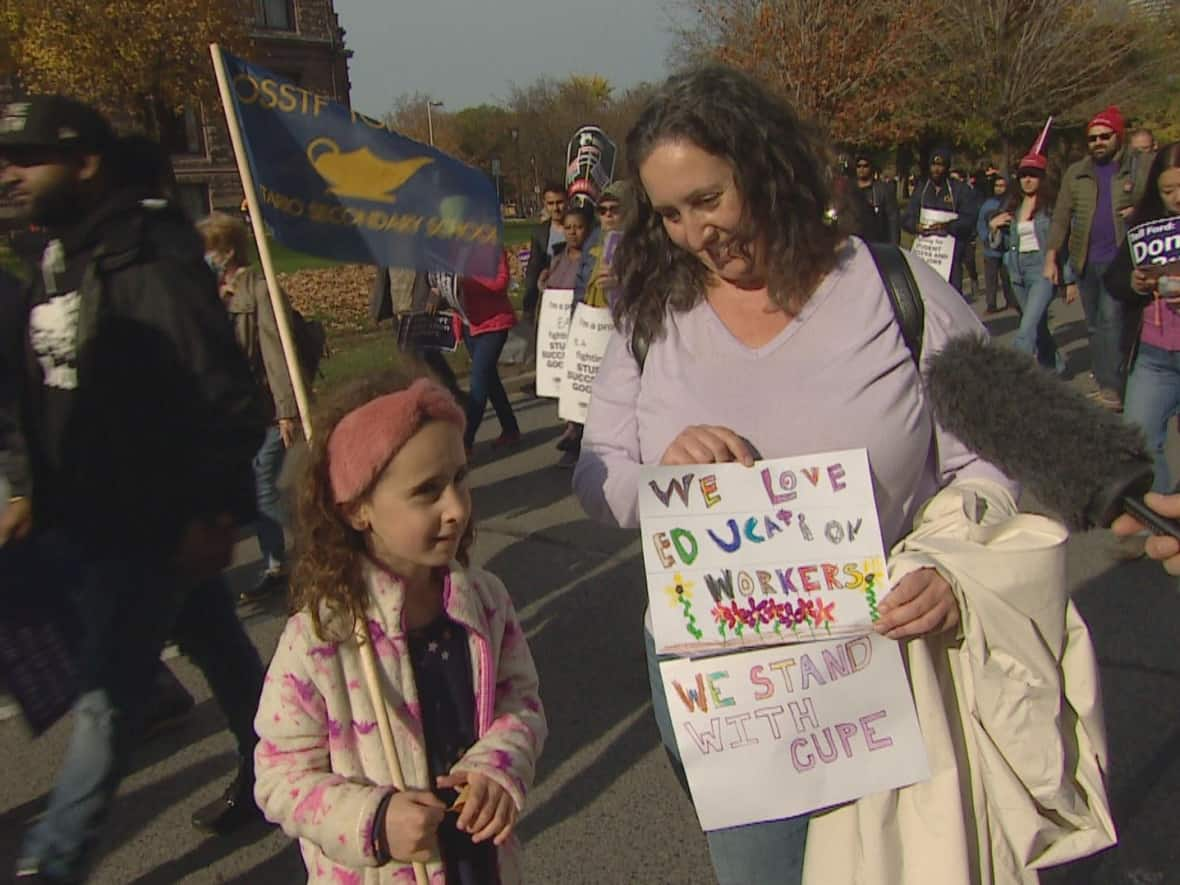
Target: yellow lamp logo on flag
(361, 174)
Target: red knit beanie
(1111, 118)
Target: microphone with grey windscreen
(1076, 457)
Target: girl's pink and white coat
(320, 768)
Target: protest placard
(589, 334)
(427, 331)
(777, 732)
(553, 326)
(1155, 246)
(786, 551)
(937, 250)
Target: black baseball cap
(55, 122)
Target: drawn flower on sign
(679, 593)
(679, 590)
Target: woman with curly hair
(381, 583)
(750, 327)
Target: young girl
(385, 523)
(1153, 389)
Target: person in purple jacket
(764, 332)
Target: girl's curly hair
(782, 170)
(329, 553)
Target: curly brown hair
(782, 171)
(326, 579)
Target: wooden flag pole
(286, 336)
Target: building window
(275, 15)
(182, 133)
(193, 200)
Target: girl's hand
(1142, 282)
(708, 444)
(411, 825)
(1071, 293)
(922, 603)
(487, 810)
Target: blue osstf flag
(336, 183)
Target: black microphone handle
(1134, 505)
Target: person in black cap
(939, 193)
(876, 204)
(141, 421)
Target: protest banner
(937, 250)
(331, 181)
(787, 551)
(1155, 246)
(777, 732)
(589, 333)
(553, 327)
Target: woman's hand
(1000, 219)
(1142, 282)
(411, 825)
(1071, 293)
(922, 603)
(1163, 548)
(486, 810)
(708, 444)
(1052, 273)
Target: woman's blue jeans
(1153, 397)
(268, 463)
(769, 853)
(1034, 293)
(485, 383)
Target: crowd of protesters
(146, 409)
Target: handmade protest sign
(589, 334)
(777, 732)
(937, 250)
(553, 326)
(786, 551)
(1155, 246)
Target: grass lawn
(357, 355)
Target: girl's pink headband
(366, 439)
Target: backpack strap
(904, 295)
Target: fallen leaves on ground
(339, 296)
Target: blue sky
(467, 52)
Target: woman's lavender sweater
(839, 376)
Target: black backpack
(904, 295)
(311, 343)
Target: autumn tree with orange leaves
(849, 65)
(136, 57)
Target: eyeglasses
(609, 209)
(1099, 136)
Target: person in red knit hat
(1097, 194)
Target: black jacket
(165, 417)
(14, 464)
(538, 261)
(878, 219)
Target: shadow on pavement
(279, 869)
(1133, 611)
(586, 633)
(520, 492)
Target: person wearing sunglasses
(1096, 195)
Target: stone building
(298, 39)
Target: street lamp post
(429, 119)
(519, 172)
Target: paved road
(606, 808)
